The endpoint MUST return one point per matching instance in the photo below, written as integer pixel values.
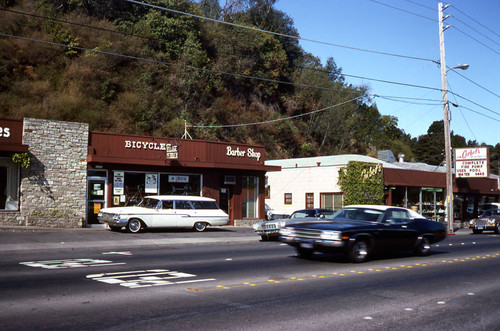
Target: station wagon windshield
(149, 203)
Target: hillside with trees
(129, 68)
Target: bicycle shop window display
(129, 188)
(180, 184)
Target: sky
(411, 28)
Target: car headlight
(286, 231)
(256, 226)
(116, 217)
(330, 235)
(282, 224)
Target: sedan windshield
(359, 214)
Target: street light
(446, 110)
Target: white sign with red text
(471, 162)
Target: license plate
(480, 227)
(306, 245)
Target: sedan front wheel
(424, 247)
(359, 252)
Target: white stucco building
(310, 182)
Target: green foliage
(125, 95)
(22, 158)
(362, 183)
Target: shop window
(9, 185)
(175, 184)
(134, 185)
(309, 200)
(288, 198)
(250, 196)
(331, 200)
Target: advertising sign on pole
(472, 162)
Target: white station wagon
(165, 211)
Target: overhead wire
(141, 3)
(216, 71)
(393, 98)
(471, 18)
(160, 39)
(403, 10)
(163, 40)
(463, 116)
(278, 119)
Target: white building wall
(299, 181)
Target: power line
(478, 85)
(275, 120)
(457, 9)
(215, 71)
(475, 39)
(181, 66)
(320, 70)
(163, 40)
(475, 30)
(421, 5)
(279, 34)
(403, 10)
(463, 116)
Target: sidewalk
(33, 238)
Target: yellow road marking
(335, 274)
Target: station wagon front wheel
(134, 226)
(200, 226)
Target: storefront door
(225, 201)
(96, 197)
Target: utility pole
(446, 110)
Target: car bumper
(114, 223)
(319, 244)
(485, 227)
(268, 232)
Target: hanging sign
(118, 181)
(151, 183)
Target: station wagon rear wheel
(200, 226)
(424, 247)
(134, 226)
(359, 251)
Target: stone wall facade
(55, 184)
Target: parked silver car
(270, 229)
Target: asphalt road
(226, 279)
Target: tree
(362, 183)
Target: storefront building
(124, 168)
(313, 183)
(73, 173)
(11, 134)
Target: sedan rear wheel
(359, 252)
(200, 226)
(424, 247)
(134, 226)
